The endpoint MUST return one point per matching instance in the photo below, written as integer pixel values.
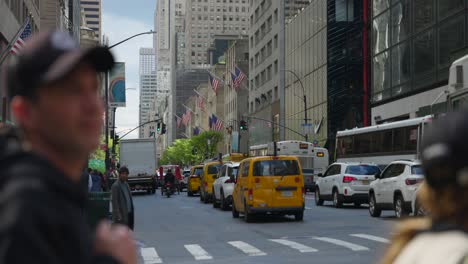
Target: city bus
(314, 160)
(382, 144)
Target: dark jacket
(40, 210)
(169, 178)
(120, 209)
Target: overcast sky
(122, 19)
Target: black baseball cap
(445, 151)
(50, 56)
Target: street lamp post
(106, 95)
(306, 136)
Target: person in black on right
(169, 178)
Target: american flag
(238, 77)
(217, 123)
(214, 83)
(19, 43)
(210, 122)
(179, 121)
(188, 117)
(196, 131)
(183, 119)
(200, 103)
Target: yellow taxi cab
(269, 185)
(210, 170)
(193, 182)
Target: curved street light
(106, 95)
(304, 98)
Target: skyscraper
(93, 18)
(147, 86)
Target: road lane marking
(308, 208)
(247, 248)
(352, 246)
(302, 248)
(371, 237)
(198, 252)
(150, 256)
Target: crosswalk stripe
(342, 243)
(198, 252)
(302, 248)
(371, 237)
(150, 256)
(247, 248)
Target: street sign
(307, 128)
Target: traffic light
(243, 125)
(163, 128)
(117, 139)
(112, 134)
(158, 127)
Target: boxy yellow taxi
(269, 185)
(210, 170)
(193, 182)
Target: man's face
(123, 176)
(67, 115)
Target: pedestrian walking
(97, 182)
(122, 201)
(442, 237)
(55, 99)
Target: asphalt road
(181, 229)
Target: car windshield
(416, 170)
(213, 169)
(276, 168)
(232, 171)
(362, 169)
(198, 171)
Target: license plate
(287, 193)
(365, 182)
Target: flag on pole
(25, 34)
(179, 121)
(217, 123)
(210, 122)
(200, 103)
(188, 115)
(214, 83)
(238, 77)
(183, 119)
(196, 131)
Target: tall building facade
(74, 18)
(209, 18)
(13, 14)
(267, 19)
(54, 15)
(147, 88)
(347, 78)
(93, 15)
(306, 74)
(414, 43)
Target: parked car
(193, 182)
(224, 184)
(269, 185)
(184, 181)
(210, 170)
(345, 183)
(395, 188)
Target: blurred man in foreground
(57, 106)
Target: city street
(181, 229)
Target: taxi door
(240, 192)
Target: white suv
(224, 185)
(395, 188)
(345, 183)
